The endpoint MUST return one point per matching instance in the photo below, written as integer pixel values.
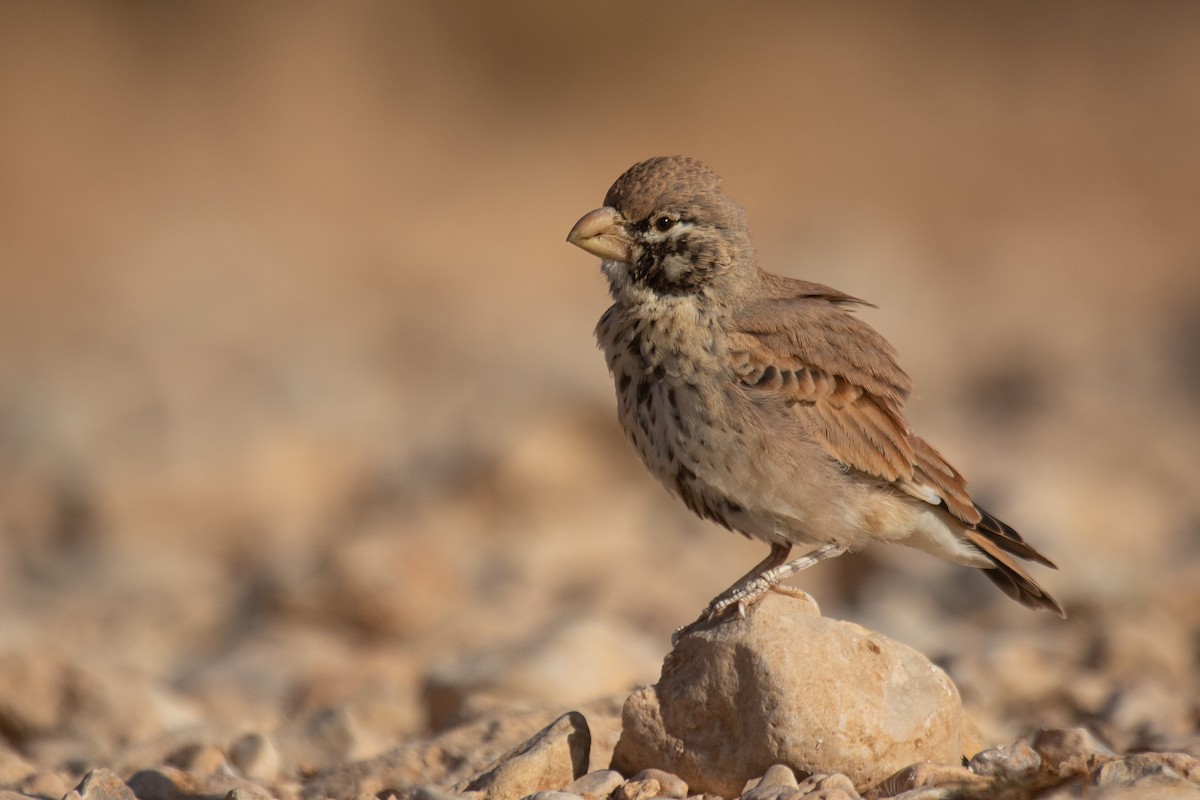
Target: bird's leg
(758, 581)
(754, 586)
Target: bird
(764, 402)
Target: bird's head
(666, 228)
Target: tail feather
(1003, 536)
(999, 546)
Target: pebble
(596, 785)
(1015, 760)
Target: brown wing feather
(834, 372)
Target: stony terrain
(310, 482)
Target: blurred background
(300, 408)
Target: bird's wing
(809, 355)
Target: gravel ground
(307, 458)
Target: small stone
(669, 785)
(1070, 751)
(100, 784)
(638, 790)
(552, 794)
(256, 757)
(559, 667)
(168, 783)
(450, 758)
(596, 785)
(919, 776)
(323, 739)
(777, 781)
(835, 785)
(831, 794)
(203, 758)
(13, 768)
(1012, 760)
(430, 793)
(44, 784)
(1139, 770)
(242, 794)
(779, 775)
(553, 757)
(929, 793)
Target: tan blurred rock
(100, 784)
(919, 776)
(596, 785)
(394, 578)
(13, 768)
(45, 784)
(255, 756)
(323, 739)
(208, 759)
(168, 783)
(669, 784)
(552, 758)
(446, 759)
(1146, 770)
(1013, 761)
(837, 786)
(778, 780)
(572, 662)
(643, 789)
(785, 685)
(1070, 752)
(62, 708)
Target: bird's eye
(664, 223)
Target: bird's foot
(753, 586)
(730, 603)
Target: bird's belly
(725, 466)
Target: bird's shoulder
(791, 324)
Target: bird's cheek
(675, 268)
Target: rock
(550, 794)
(60, 709)
(787, 686)
(168, 783)
(596, 785)
(428, 793)
(323, 739)
(931, 793)
(205, 758)
(563, 666)
(44, 784)
(667, 785)
(1067, 752)
(101, 784)
(1141, 770)
(777, 781)
(255, 756)
(443, 760)
(13, 768)
(919, 776)
(828, 786)
(552, 758)
(1012, 761)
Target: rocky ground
(310, 482)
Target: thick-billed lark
(763, 402)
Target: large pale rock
(787, 686)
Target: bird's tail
(999, 542)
